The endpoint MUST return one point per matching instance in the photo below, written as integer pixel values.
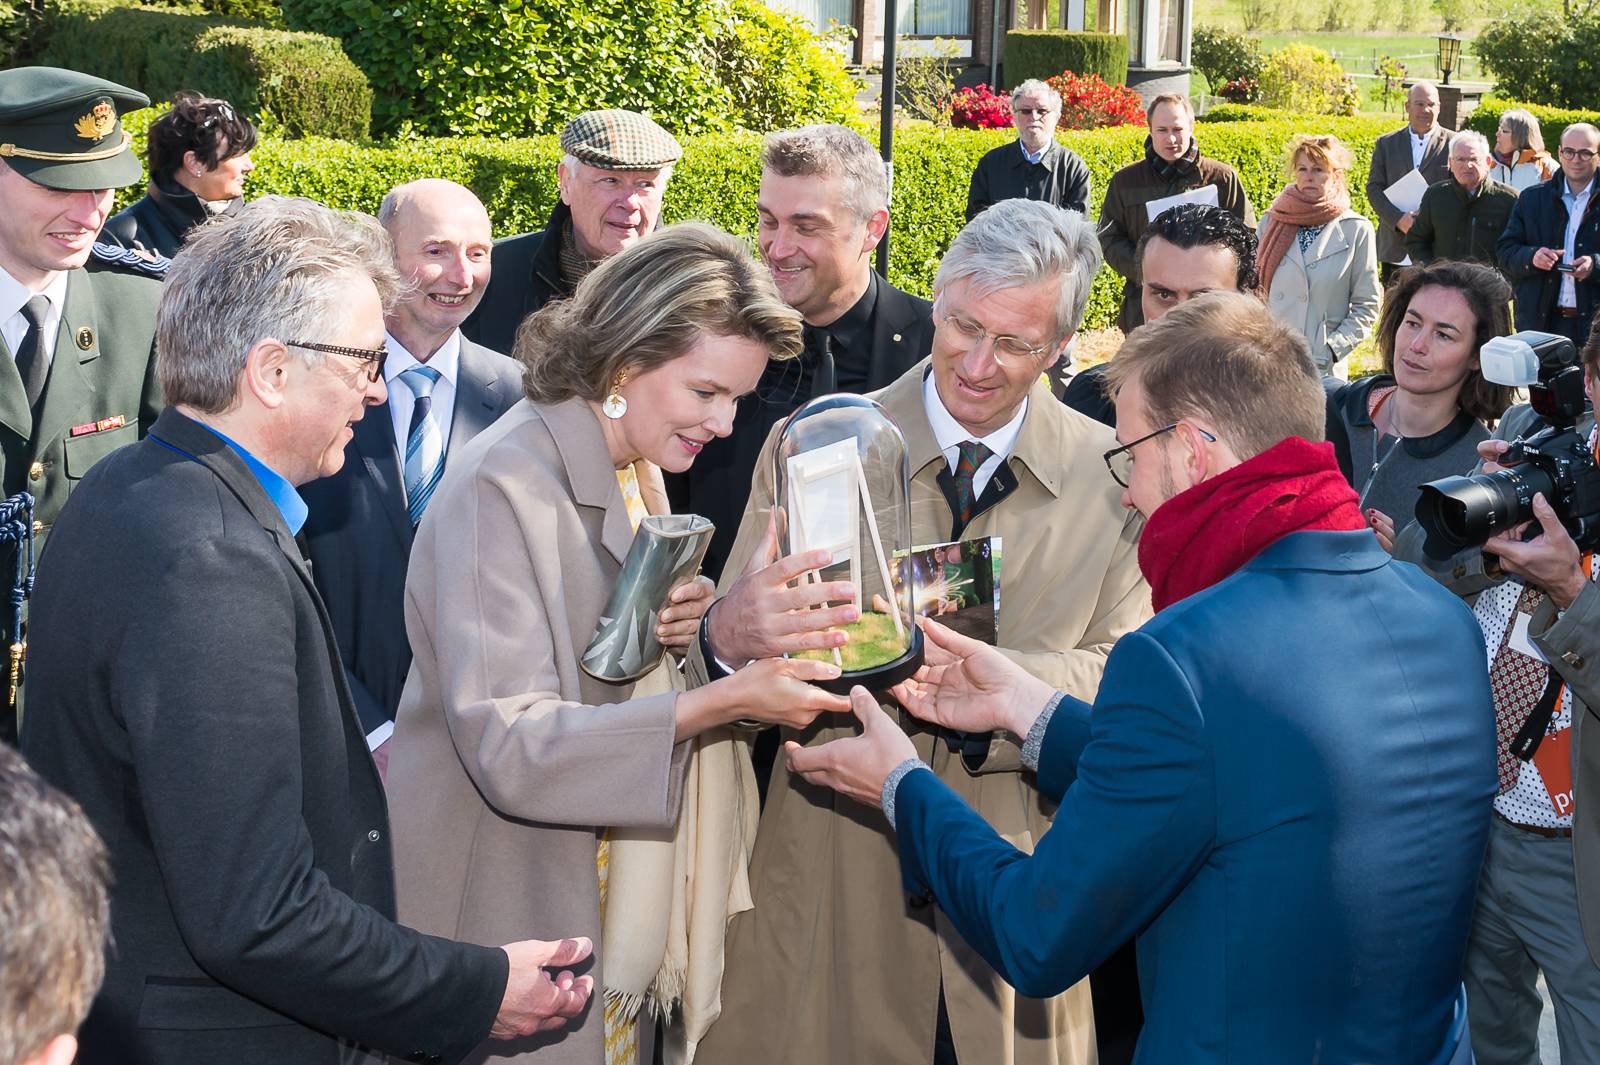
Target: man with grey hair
(1035, 167)
(443, 390)
(1463, 216)
(1421, 145)
(612, 177)
(835, 963)
(187, 691)
(822, 208)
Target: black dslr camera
(1460, 512)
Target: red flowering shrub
(980, 108)
(1087, 102)
(1241, 91)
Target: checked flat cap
(619, 140)
(63, 129)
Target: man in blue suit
(443, 390)
(1283, 788)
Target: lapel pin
(897, 338)
(85, 338)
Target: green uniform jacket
(1452, 225)
(103, 370)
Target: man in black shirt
(823, 206)
(1034, 167)
(1188, 250)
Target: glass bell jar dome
(843, 481)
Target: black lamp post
(1449, 54)
(891, 22)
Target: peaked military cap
(619, 140)
(63, 129)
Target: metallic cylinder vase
(666, 551)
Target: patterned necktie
(32, 364)
(424, 443)
(1518, 682)
(973, 455)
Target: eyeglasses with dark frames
(1119, 460)
(1585, 154)
(376, 356)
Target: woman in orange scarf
(1317, 258)
(1520, 159)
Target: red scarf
(1200, 536)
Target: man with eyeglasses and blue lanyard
(187, 692)
(835, 963)
(1282, 788)
(1549, 247)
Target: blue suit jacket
(358, 534)
(1283, 790)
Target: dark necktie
(819, 347)
(972, 456)
(32, 364)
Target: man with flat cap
(613, 174)
(77, 318)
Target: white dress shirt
(1577, 203)
(14, 296)
(447, 360)
(1419, 147)
(949, 435)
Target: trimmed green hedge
(719, 174)
(295, 84)
(1553, 121)
(1043, 54)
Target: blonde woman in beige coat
(526, 794)
(1317, 258)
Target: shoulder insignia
(137, 259)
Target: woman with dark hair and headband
(199, 154)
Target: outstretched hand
(857, 766)
(968, 686)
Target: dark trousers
(1575, 329)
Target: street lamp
(1449, 54)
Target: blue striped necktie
(424, 443)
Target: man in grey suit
(443, 390)
(1422, 145)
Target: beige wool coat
(835, 964)
(507, 757)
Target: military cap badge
(98, 123)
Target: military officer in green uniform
(77, 319)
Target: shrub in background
(1241, 91)
(1304, 78)
(1087, 102)
(294, 83)
(526, 66)
(1520, 53)
(719, 174)
(980, 108)
(1224, 56)
(1044, 53)
(924, 82)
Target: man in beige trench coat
(835, 963)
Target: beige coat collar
(583, 451)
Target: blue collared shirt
(1033, 157)
(277, 487)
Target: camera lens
(1458, 512)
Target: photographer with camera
(1523, 531)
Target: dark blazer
(186, 690)
(1086, 394)
(718, 484)
(1391, 161)
(1539, 220)
(1060, 178)
(525, 274)
(358, 534)
(1297, 850)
